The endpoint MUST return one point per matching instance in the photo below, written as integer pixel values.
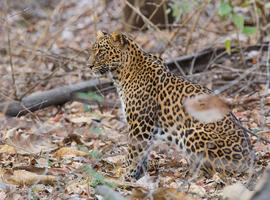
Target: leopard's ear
(119, 39)
(101, 34)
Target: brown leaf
(30, 168)
(80, 119)
(159, 194)
(267, 100)
(265, 135)
(23, 177)
(73, 138)
(237, 191)
(7, 149)
(29, 143)
(69, 152)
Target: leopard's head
(108, 53)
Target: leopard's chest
(122, 102)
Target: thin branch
(265, 92)
(256, 16)
(194, 25)
(234, 82)
(49, 76)
(11, 65)
(147, 21)
(153, 13)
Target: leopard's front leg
(139, 147)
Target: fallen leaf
(69, 152)
(197, 189)
(168, 193)
(80, 119)
(236, 191)
(265, 135)
(23, 177)
(7, 149)
(30, 168)
(159, 194)
(267, 100)
(115, 159)
(28, 143)
(109, 193)
(77, 187)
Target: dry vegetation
(75, 151)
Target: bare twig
(147, 21)
(40, 82)
(266, 90)
(175, 34)
(50, 54)
(153, 13)
(11, 64)
(242, 76)
(194, 25)
(255, 8)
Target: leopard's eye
(100, 53)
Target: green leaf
(91, 96)
(238, 21)
(228, 46)
(178, 8)
(97, 178)
(224, 9)
(249, 30)
(267, 5)
(86, 108)
(95, 154)
(96, 130)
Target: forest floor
(68, 151)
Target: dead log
(197, 62)
(56, 96)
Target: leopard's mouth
(102, 69)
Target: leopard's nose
(90, 65)
(90, 62)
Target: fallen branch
(190, 64)
(57, 96)
(198, 62)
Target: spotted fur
(153, 101)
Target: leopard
(153, 100)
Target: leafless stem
(265, 92)
(256, 16)
(194, 25)
(244, 75)
(11, 65)
(146, 20)
(153, 13)
(42, 80)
